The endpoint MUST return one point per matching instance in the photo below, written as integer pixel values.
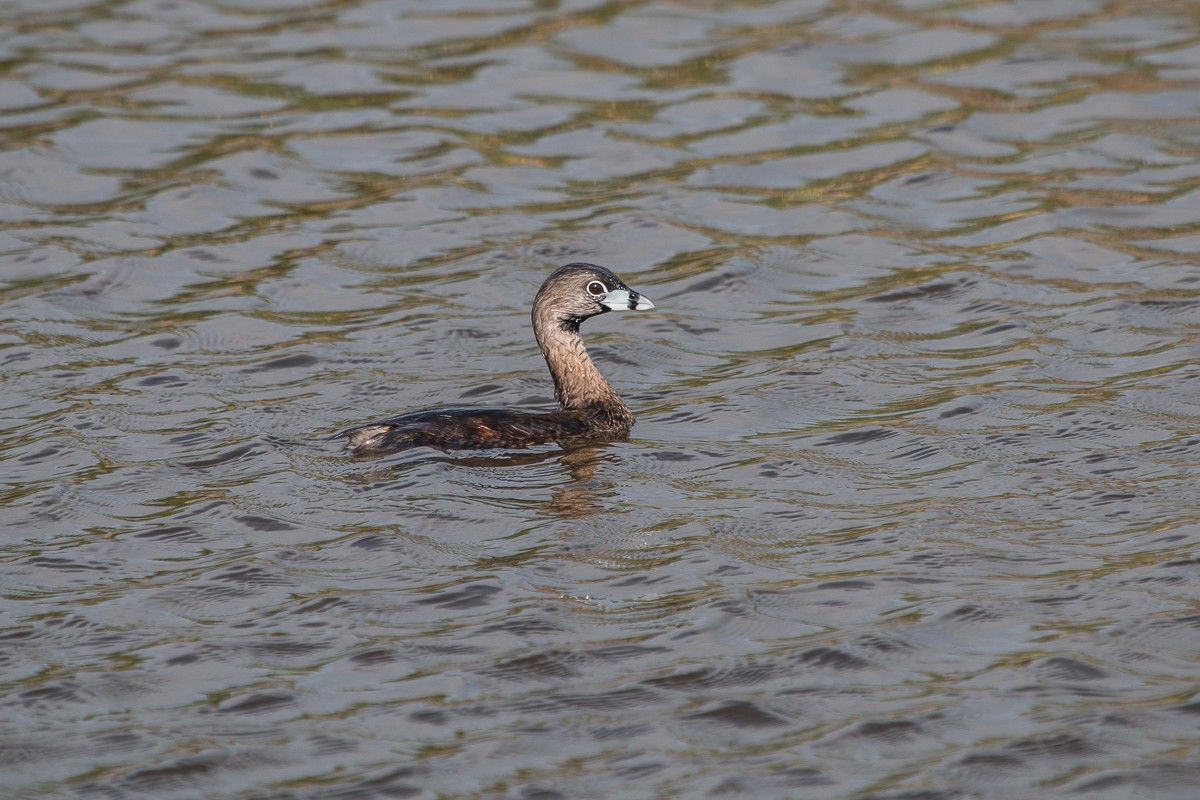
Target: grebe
(589, 408)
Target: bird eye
(596, 288)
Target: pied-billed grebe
(589, 408)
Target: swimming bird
(589, 407)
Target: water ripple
(908, 509)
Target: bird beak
(625, 300)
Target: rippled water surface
(910, 511)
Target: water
(910, 509)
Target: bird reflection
(580, 498)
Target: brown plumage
(589, 408)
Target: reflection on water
(909, 511)
(577, 496)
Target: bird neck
(578, 384)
